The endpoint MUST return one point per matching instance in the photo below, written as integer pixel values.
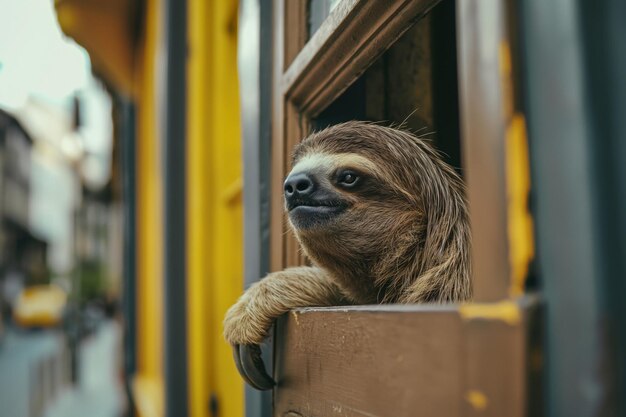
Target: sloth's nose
(299, 185)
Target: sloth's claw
(250, 365)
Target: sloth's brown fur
(410, 241)
(403, 239)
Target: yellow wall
(214, 186)
(215, 235)
(148, 383)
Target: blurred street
(61, 224)
(20, 354)
(35, 374)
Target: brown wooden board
(369, 362)
(277, 240)
(483, 40)
(295, 28)
(400, 361)
(349, 40)
(296, 128)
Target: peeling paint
(295, 317)
(477, 399)
(506, 311)
(520, 223)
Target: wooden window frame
(486, 346)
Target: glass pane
(318, 12)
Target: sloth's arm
(248, 321)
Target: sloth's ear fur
(446, 251)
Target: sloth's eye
(348, 178)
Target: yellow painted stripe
(199, 189)
(520, 225)
(148, 384)
(215, 234)
(506, 311)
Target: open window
(447, 71)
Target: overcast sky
(37, 60)
(35, 57)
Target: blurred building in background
(23, 255)
(60, 228)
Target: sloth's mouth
(309, 213)
(319, 205)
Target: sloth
(382, 218)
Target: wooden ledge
(418, 360)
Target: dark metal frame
(255, 74)
(173, 144)
(128, 145)
(604, 33)
(575, 60)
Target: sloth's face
(323, 191)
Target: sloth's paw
(242, 327)
(245, 332)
